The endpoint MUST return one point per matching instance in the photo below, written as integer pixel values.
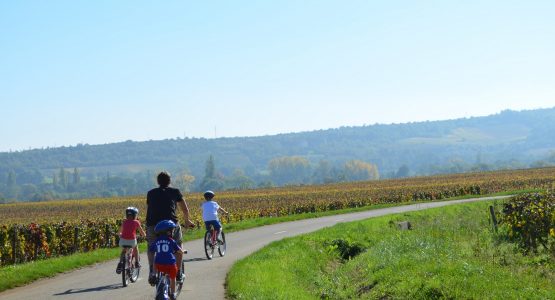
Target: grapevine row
(31, 231)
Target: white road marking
(280, 232)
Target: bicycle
(211, 242)
(130, 272)
(162, 287)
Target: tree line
(65, 183)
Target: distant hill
(510, 139)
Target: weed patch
(345, 248)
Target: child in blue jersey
(167, 253)
(210, 209)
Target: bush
(530, 219)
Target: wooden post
(76, 239)
(107, 236)
(36, 241)
(14, 243)
(493, 218)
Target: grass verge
(18, 275)
(451, 253)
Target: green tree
(210, 168)
(11, 180)
(28, 191)
(289, 170)
(323, 172)
(239, 181)
(11, 185)
(403, 171)
(55, 181)
(63, 178)
(76, 176)
(211, 180)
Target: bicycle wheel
(208, 248)
(162, 288)
(221, 244)
(133, 270)
(125, 271)
(179, 285)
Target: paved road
(205, 279)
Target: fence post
(14, 242)
(108, 243)
(493, 218)
(37, 242)
(76, 239)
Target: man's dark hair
(163, 179)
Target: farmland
(46, 229)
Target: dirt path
(205, 279)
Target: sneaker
(119, 268)
(152, 279)
(179, 277)
(172, 296)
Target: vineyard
(30, 231)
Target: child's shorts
(168, 269)
(214, 223)
(127, 243)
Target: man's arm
(185, 210)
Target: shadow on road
(195, 259)
(95, 289)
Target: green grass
(451, 253)
(22, 274)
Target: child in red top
(128, 235)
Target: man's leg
(151, 238)
(178, 260)
(178, 238)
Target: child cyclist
(128, 235)
(167, 253)
(210, 209)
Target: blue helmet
(164, 226)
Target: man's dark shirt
(161, 205)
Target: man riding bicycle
(162, 203)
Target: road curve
(205, 279)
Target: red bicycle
(212, 241)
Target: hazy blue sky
(106, 71)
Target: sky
(96, 72)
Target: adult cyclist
(162, 203)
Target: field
(450, 253)
(30, 231)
